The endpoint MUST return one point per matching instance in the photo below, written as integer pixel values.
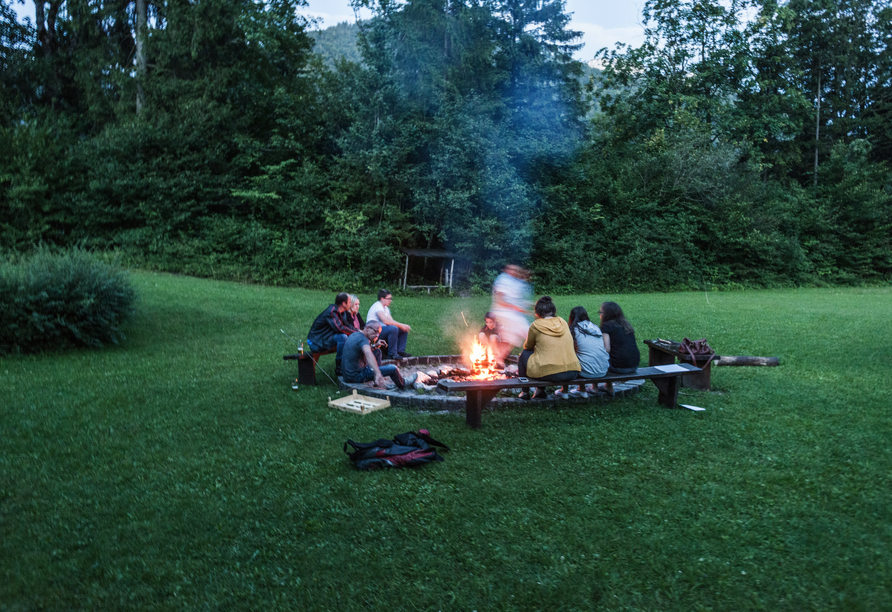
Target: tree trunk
(141, 22)
(743, 360)
(40, 18)
(817, 128)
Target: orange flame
(482, 360)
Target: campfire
(483, 363)
(477, 363)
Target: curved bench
(479, 392)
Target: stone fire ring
(438, 400)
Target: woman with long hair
(619, 340)
(590, 349)
(548, 352)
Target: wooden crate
(359, 404)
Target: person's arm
(607, 342)
(530, 343)
(337, 323)
(372, 363)
(386, 319)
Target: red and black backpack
(405, 450)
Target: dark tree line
(743, 144)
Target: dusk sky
(602, 22)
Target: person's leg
(522, 362)
(522, 371)
(390, 334)
(394, 373)
(561, 377)
(365, 375)
(377, 353)
(339, 340)
(403, 337)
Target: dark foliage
(51, 300)
(744, 143)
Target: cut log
(745, 360)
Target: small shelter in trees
(424, 263)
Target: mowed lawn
(179, 470)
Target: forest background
(745, 143)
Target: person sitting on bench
(360, 364)
(395, 334)
(590, 350)
(352, 318)
(328, 331)
(548, 351)
(619, 340)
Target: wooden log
(745, 360)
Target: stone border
(456, 401)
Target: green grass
(180, 471)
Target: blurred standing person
(511, 293)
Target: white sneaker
(578, 393)
(562, 395)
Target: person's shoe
(525, 395)
(395, 358)
(539, 394)
(560, 393)
(577, 393)
(405, 354)
(411, 380)
(603, 389)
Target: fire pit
(431, 369)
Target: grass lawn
(180, 471)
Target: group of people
(553, 349)
(360, 343)
(558, 351)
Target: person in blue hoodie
(590, 350)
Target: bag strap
(425, 435)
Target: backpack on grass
(405, 450)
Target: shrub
(52, 300)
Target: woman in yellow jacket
(548, 352)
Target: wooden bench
(664, 352)
(306, 365)
(479, 392)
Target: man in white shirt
(394, 333)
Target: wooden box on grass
(359, 404)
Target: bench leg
(474, 403)
(306, 372)
(668, 388)
(702, 381)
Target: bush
(52, 300)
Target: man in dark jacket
(328, 331)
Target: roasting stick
(464, 319)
